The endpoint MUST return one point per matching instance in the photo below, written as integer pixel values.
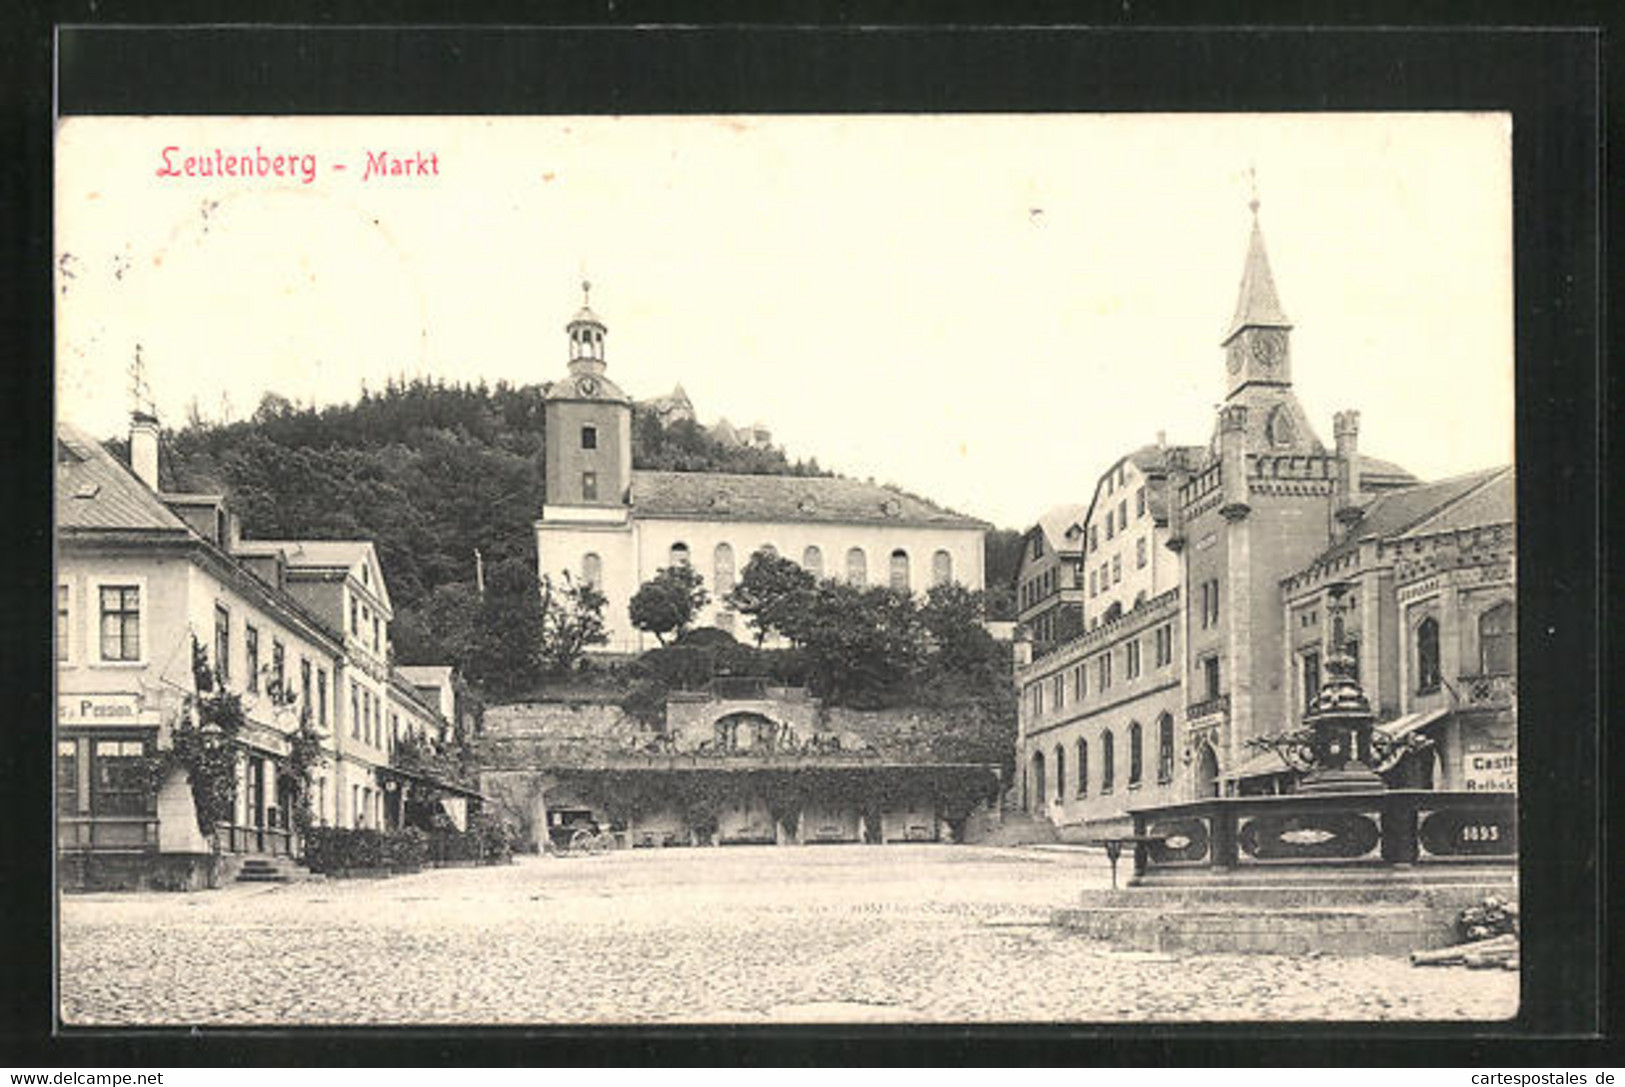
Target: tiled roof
(1383, 469)
(715, 496)
(1495, 503)
(310, 554)
(94, 491)
(1055, 523)
(1395, 513)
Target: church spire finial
(1252, 184)
(586, 293)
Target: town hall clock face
(1267, 350)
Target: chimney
(1346, 429)
(1233, 461)
(144, 448)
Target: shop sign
(1490, 771)
(100, 709)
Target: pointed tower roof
(1257, 305)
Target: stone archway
(747, 732)
(1207, 771)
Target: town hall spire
(1256, 346)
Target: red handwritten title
(175, 161)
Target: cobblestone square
(747, 934)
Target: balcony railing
(1489, 691)
(1208, 707)
(236, 838)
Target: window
(121, 622)
(62, 624)
(1077, 575)
(1111, 525)
(1497, 641)
(304, 684)
(1105, 577)
(589, 437)
(1210, 603)
(1083, 767)
(1122, 515)
(1108, 758)
(1093, 587)
(377, 636)
(1165, 645)
(1038, 546)
(1139, 552)
(251, 647)
(592, 569)
(1080, 684)
(1094, 538)
(1311, 678)
(942, 568)
(117, 781)
(67, 777)
(355, 711)
(1133, 662)
(589, 486)
(857, 568)
(1210, 677)
(1104, 665)
(355, 614)
(1135, 741)
(723, 565)
(278, 668)
(321, 697)
(813, 560)
(355, 806)
(1165, 749)
(1038, 699)
(1058, 691)
(899, 571)
(1060, 773)
(1117, 569)
(679, 555)
(1139, 502)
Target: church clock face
(587, 387)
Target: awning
(1401, 727)
(434, 782)
(1262, 764)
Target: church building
(612, 526)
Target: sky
(986, 310)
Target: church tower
(588, 422)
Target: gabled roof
(1399, 512)
(1257, 303)
(325, 557)
(1055, 522)
(717, 496)
(95, 492)
(1495, 503)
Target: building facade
(605, 524)
(1230, 548)
(299, 631)
(1049, 578)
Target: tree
(667, 603)
(572, 620)
(770, 592)
(505, 656)
(1001, 557)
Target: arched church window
(813, 560)
(1497, 641)
(857, 567)
(942, 568)
(723, 579)
(900, 581)
(1165, 748)
(679, 555)
(1108, 760)
(592, 570)
(1083, 767)
(1427, 656)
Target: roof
(1382, 469)
(1395, 513)
(1495, 503)
(1257, 302)
(311, 554)
(717, 496)
(94, 491)
(425, 675)
(1057, 521)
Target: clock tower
(1257, 349)
(588, 423)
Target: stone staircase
(1014, 828)
(267, 869)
